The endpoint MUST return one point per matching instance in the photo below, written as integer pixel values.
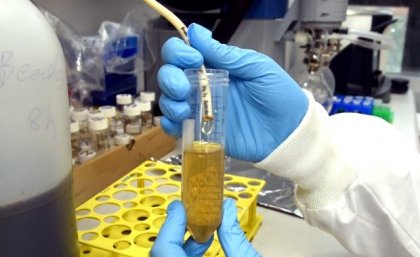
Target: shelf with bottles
(96, 130)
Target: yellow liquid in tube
(202, 188)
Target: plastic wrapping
(125, 46)
(118, 48)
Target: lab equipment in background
(132, 121)
(203, 156)
(75, 140)
(361, 104)
(145, 114)
(84, 65)
(356, 68)
(106, 64)
(311, 25)
(317, 80)
(37, 215)
(98, 128)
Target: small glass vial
(86, 155)
(114, 125)
(123, 100)
(146, 114)
(99, 133)
(156, 120)
(75, 140)
(148, 96)
(95, 113)
(122, 139)
(132, 121)
(81, 116)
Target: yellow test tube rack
(124, 219)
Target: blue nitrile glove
(231, 236)
(170, 240)
(265, 105)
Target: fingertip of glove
(176, 210)
(198, 33)
(170, 127)
(229, 204)
(174, 206)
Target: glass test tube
(203, 157)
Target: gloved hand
(231, 236)
(169, 242)
(265, 105)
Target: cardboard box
(93, 176)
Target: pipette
(207, 112)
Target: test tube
(203, 156)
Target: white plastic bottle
(36, 200)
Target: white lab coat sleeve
(356, 179)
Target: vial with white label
(132, 121)
(99, 133)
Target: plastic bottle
(98, 127)
(145, 114)
(132, 121)
(37, 216)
